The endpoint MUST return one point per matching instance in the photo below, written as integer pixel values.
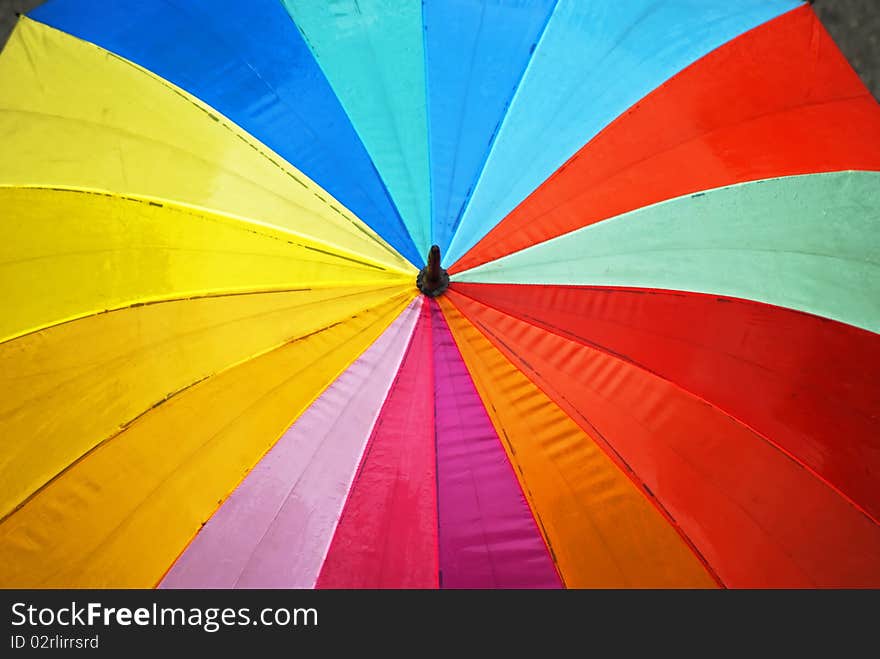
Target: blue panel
(249, 61)
(476, 51)
(594, 60)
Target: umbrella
(453, 293)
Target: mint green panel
(806, 242)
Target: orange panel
(602, 530)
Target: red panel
(779, 100)
(756, 515)
(806, 383)
(387, 535)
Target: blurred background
(854, 24)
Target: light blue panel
(372, 53)
(595, 60)
(476, 51)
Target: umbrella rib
(266, 154)
(199, 296)
(258, 227)
(177, 336)
(146, 303)
(351, 226)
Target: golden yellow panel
(71, 386)
(122, 514)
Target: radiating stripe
(254, 67)
(121, 515)
(69, 387)
(806, 384)
(372, 54)
(66, 254)
(475, 55)
(274, 529)
(601, 528)
(594, 60)
(387, 536)
(74, 115)
(488, 536)
(805, 242)
(777, 101)
(755, 515)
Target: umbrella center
(433, 280)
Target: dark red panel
(757, 516)
(808, 384)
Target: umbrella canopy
(452, 293)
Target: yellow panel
(66, 254)
(122, 514)
(71, 386)
(75, 115)
(602, 530)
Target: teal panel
(372, 53)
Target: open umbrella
(230, 356)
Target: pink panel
(387, 537)
(274, 529)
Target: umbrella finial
(433, 280)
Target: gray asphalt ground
(854, 24)
(8, 9)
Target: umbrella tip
(433, 280)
